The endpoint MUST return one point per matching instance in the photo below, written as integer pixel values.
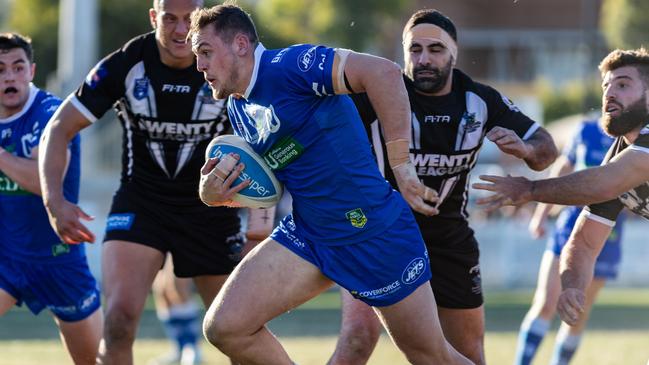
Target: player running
(348, 225)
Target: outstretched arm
(594, 185)
(382, 80)
(577, 266)
(561, 167)
(64, 216)
(538, 151)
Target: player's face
(428, 65)
(624, 101)
(16, 72)
(171, 22)
(217, 61)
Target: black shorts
(456, 280)
(202, 240)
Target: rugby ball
(264, 189)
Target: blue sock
(529, 338)
(181, 324)
(565, 347)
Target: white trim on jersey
(129, 136)
(597, 218)
(530, 132)
(415, 140)
(81, 108)
(469, 137)
(639, 148)
(157, 152)
(445, 189)
(258, 52)
(378, 146)
(33, 91)
(185, 152)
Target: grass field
(618, 333)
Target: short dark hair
(638, 58)
(432, 16)
(227, 19)
(9, 41)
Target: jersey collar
(253, 79)
(33, 91)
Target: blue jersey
(25, 231)
(316, 144)
(587, 148)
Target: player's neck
(174, 62)
(630, 137)
(247, 70)
(9, 112)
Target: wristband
(398, 152)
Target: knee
(221, 334)
(120, 324)
(357, 341)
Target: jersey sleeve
(606, 212)
(504, 113)
(103, 85)
(642, 142)
(308, 69)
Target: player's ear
(152, 18)
(32, 68)
(242, 44)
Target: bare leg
(464, 329)
(81, 338)
(268, 282)
(414, 326)
(128, 271)
(359, 333)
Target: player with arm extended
(586, 148)
(348, 225)
(36, 268)
(621, 181)
(451, 117)
(168, 117)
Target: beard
(631, 117)
(434, 83)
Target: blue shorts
(608, 262)
(68, 290)
(380, 271)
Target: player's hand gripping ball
(264, 190)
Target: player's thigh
(357, 316)
(464, 328)
(7, 301)
(128, 271)
(208, 286)
(84, 333)
(413, 322)
(548, 285)
(268, 282)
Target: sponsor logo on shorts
(89, 301)
(476, 279)
(120, 222)
(288, 229)
(235, 244)
(413, 271)
(377, 293)
(306, 59)
(356, 217)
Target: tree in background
(625, 23)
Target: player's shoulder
(132, 52)
(298, 57)
(643, 138)
(45, 102)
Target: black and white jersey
(168, 117)
(446, 136)
(636, 199)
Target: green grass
(618, 333)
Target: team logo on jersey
(141, 88)
(413, 271)
(356, 217)
(96, 75)
(510, 104)
(471, 124)
(306, 59)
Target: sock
(529, 338)
(181, 324)
(565, 347)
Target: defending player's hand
(508, 191)
(509, 142)
(571, 305)
(217, 177)
(413, 191)
(65, 218)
